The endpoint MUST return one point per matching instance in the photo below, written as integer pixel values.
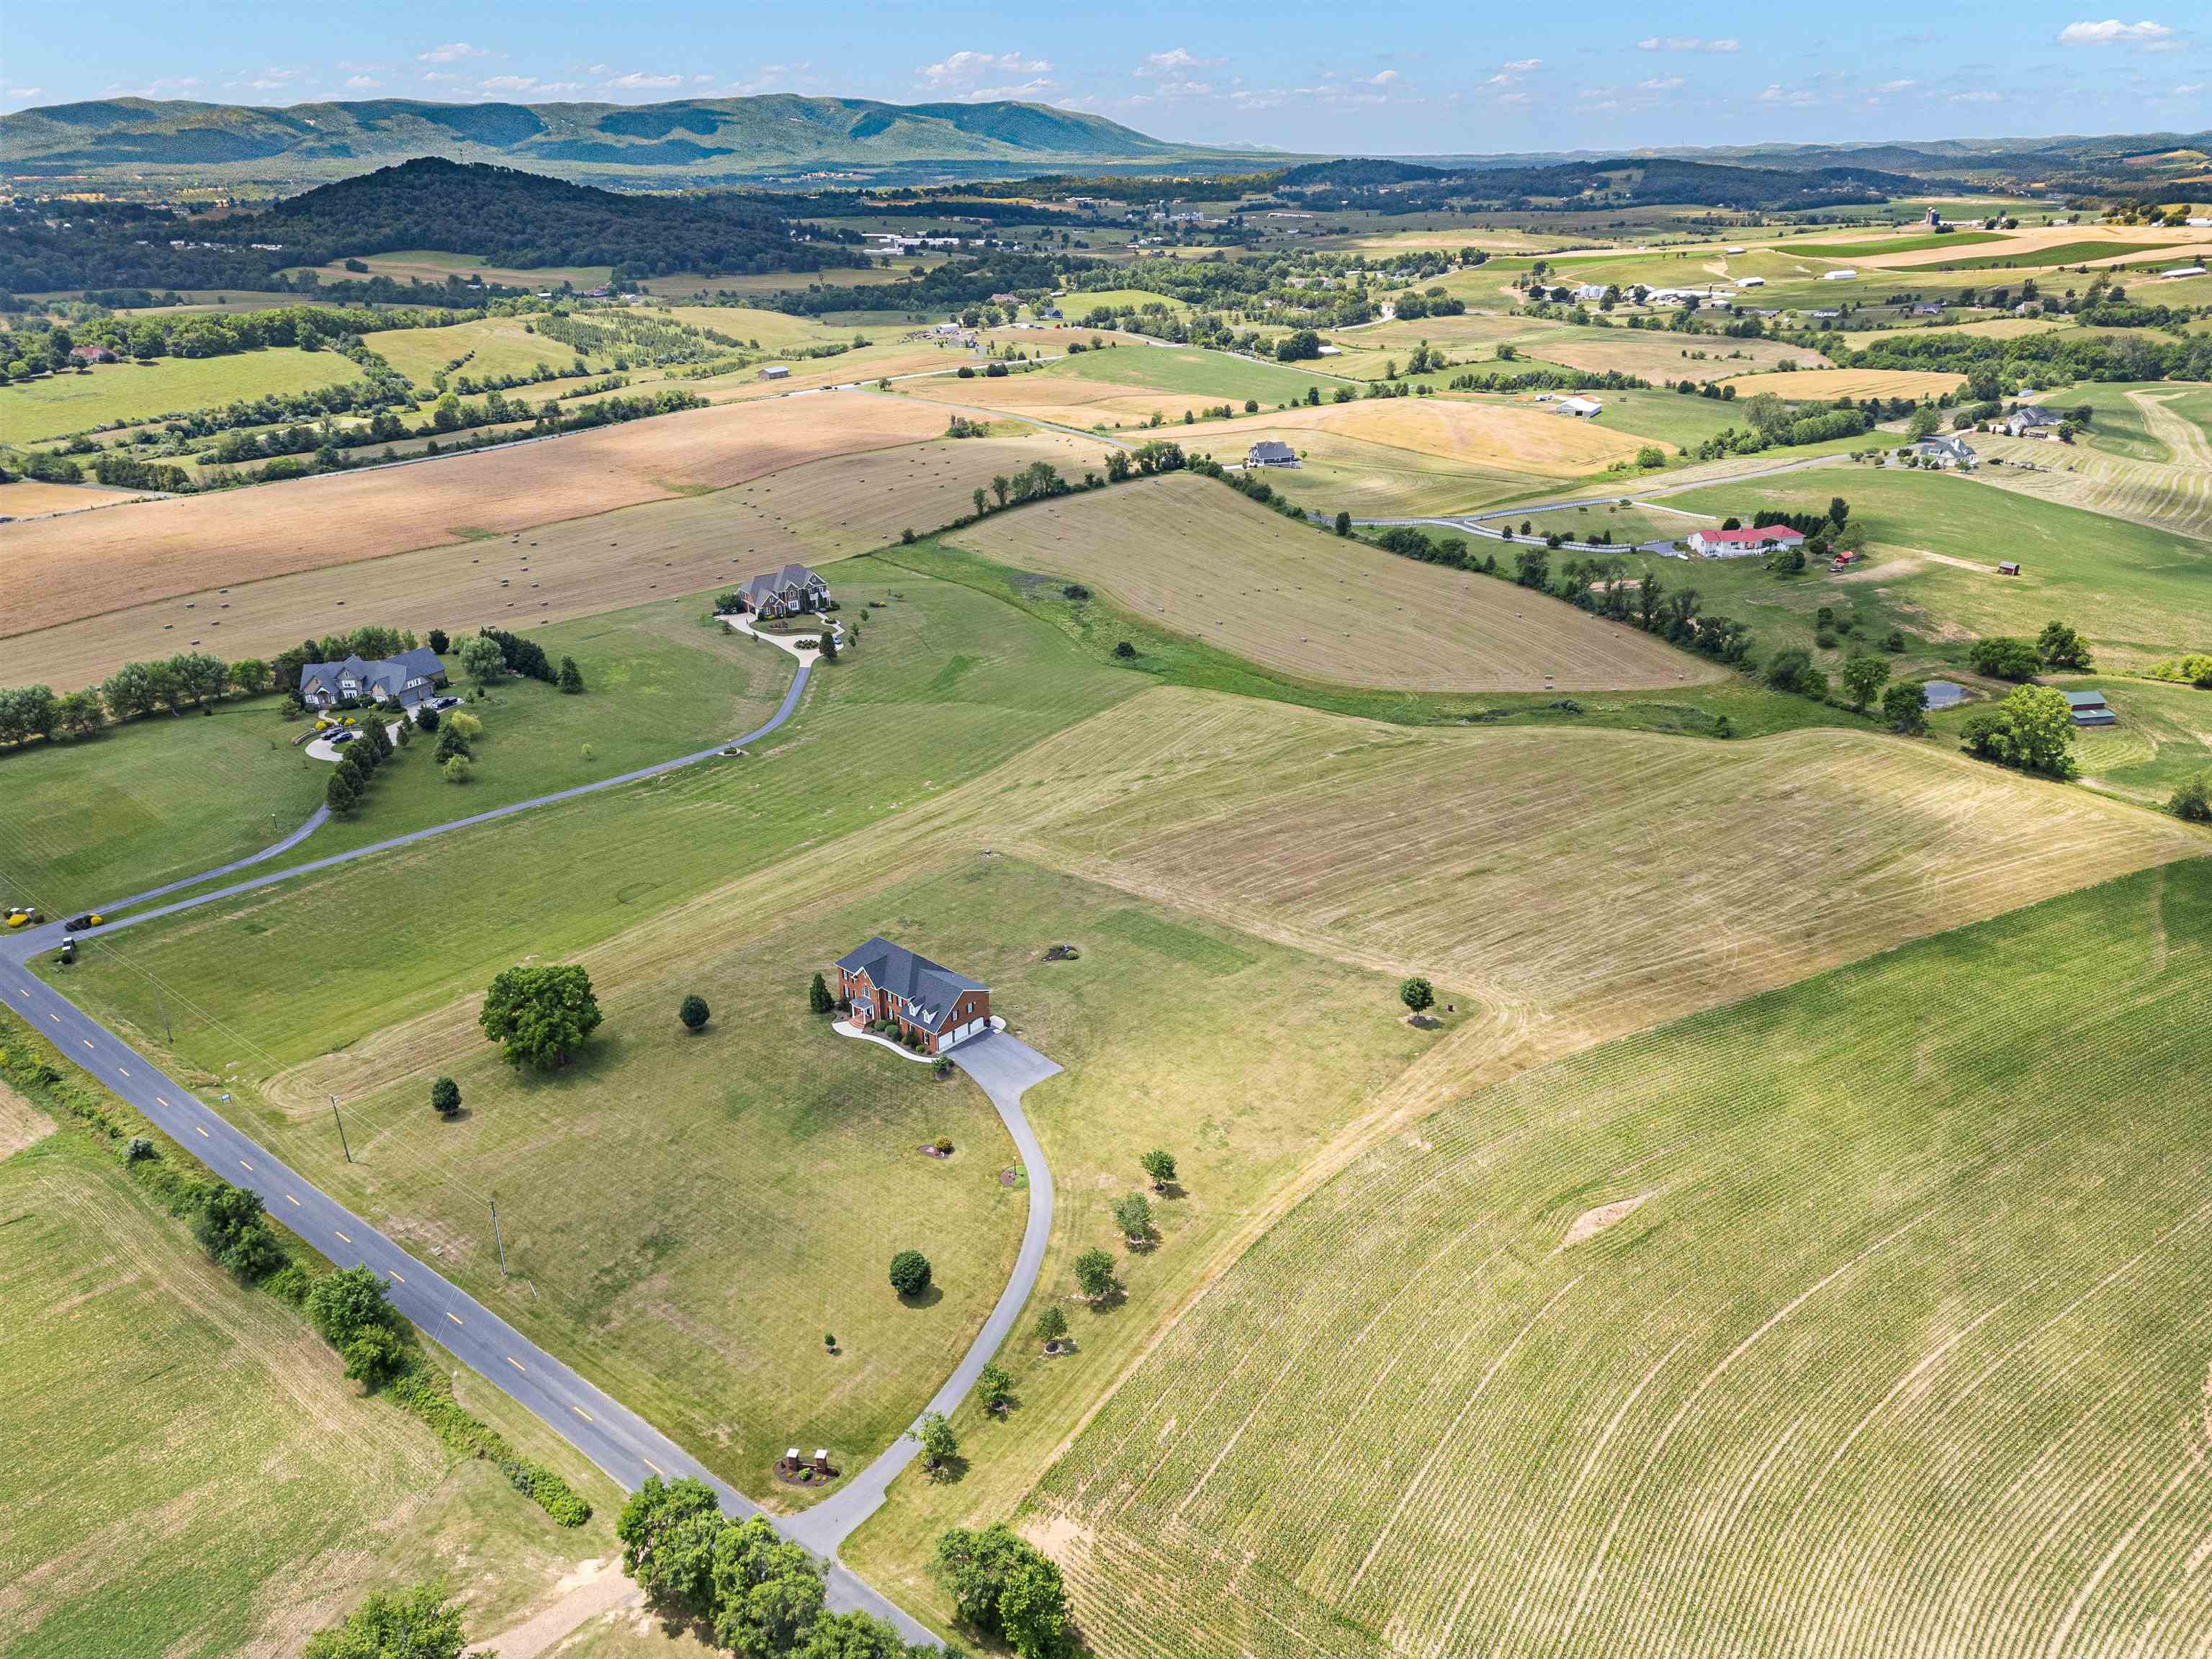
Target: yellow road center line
(243, 1164)
(57, 1018)
(395, 1275)
(341, 1236)
(289, 1199)
(655, 1467)
(158, 1101)
(124, 1071)
(202, 1131)
(512, 1361)
(455, 1317)
(581, 1412)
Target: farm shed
(2090, 708)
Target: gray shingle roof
(791, 576)
(389, 675)
(929, 988)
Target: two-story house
(884, 981)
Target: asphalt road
(620, 1441)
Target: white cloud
(1687, 43)
(1381, 79)
(1175, 61)
(2189, 91)
(1896, 86)
(1523, 65)
(444, 78)
(1777, 93)
(2112, 31)
(363, 83)
(1980, 96)
(638, 80)
(24, 92)
(452, 53)
(964, 68)
(1660, 83)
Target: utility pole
(168, 1036)
(340, 1121)
(495, 1238)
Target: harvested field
(1369, 480)
(1198, 559)
(1506, 437)
(1656, 356)
(811, 513)
(27, 498)
(497, 346)
(85, 565)
(2156, 495)
(1825, 383)
(1913, 1364)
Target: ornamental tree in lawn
(939, 1445)
(540, 1014)
(1094, 1275)
(817, 996)
(910, 1272)
(445, 1096)
(572, 677)
(482, 660)
(693, 1012)
(1051, 1323)
(1133, 1214)
(1159, 1163)
(1416, 993)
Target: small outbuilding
(2090, 708)
(1585, 409)
(775, 372)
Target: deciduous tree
(541, 1014)
(421, 1623)
(692, 1011)
(909, 1273)
(1159, 1163)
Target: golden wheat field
(1200, 560)
(813, 511)
(28, 498)
(1814, 384)
(61, 569)
(1656, 356)
(1516, 438)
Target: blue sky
(1421, 77)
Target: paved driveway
(1006, 1067)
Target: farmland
(496, 347)
(1653, 354)
(1708, 1344)
(189, 1472)
(1831, 383)
(1197, 559)
(2138, 593)
(577, 567)
(87, 564)
(1515, 437)
(109, 394)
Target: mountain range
(768, 139)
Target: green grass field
(2067, 254)
(83, 824)
(1863, 247)
(1860, 1316)
(32, 411)
(1081, 302)
(189, 1473)
(495, 348)
(2138, 593)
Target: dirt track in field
(58, 570)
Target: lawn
(1080, 303)
(494, 348)
(1897, 1273)
(188, 1474)
(113, 394)
(2138, 593)
(1192, 557)
(87, 822)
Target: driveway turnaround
(1006, 1066)
(613, 1436)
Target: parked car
(341, 737)
(78, 924)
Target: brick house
(884, 981)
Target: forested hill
(775, 137)
(497, 214)
(1403, 188)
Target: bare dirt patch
(21, 1124)
(1590, 1223)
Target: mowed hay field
(1339, 472)
(1655, 355)
(1829, 383)
(1508, 437)
(497, 346)
(580, 566)
(84, 565)
(32, 411)
(1868, 1316)
(28, 498)
(187, 1471)
(1200, 560)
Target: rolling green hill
(698, 140)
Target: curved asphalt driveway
(618, 1440)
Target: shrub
(1905, 706)
(909, 1273)
(2005, 657)
(2193, 800)
(2033, 729)
(692, 1011)
(457, 768)
(232, 1230)
(445, 1096)
(817, 996)
(1125, 651)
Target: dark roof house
(1271, 451)
(405, 679)
(928, 1001)
(789, 592)
(2090, 708)
(2031, 418)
